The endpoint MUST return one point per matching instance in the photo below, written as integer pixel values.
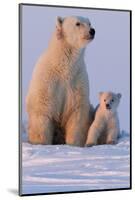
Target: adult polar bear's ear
(119, 95)
(59, 23)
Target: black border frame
(20, 96)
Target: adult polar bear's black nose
(92, 31)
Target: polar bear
(58, 94)
(105, 127)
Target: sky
(107, 57)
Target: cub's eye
(78, 24)
(104, 100)
(112, 100)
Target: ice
(61, 168)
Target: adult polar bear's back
(59, 89)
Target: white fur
(59, 89)
(105, 127)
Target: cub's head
(109, 100)
(76, 31)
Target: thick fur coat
(105, 127)
(58, 96)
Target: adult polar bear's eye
(112, 100)
(78, 23)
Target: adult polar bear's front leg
(77, 127)
(40, 130)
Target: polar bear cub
(105, 127)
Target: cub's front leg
(113, 131)
(94, 133)
(112, 135)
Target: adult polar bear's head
(76, 31)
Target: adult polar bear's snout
(80, 32)
(58, 96)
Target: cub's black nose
(92, 31)
(107, 106)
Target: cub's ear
(100, 94)
(59, 23)
(119, 95)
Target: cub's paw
(111, 142)
(89, 145)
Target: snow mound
(61, 168)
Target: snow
(63, 168)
